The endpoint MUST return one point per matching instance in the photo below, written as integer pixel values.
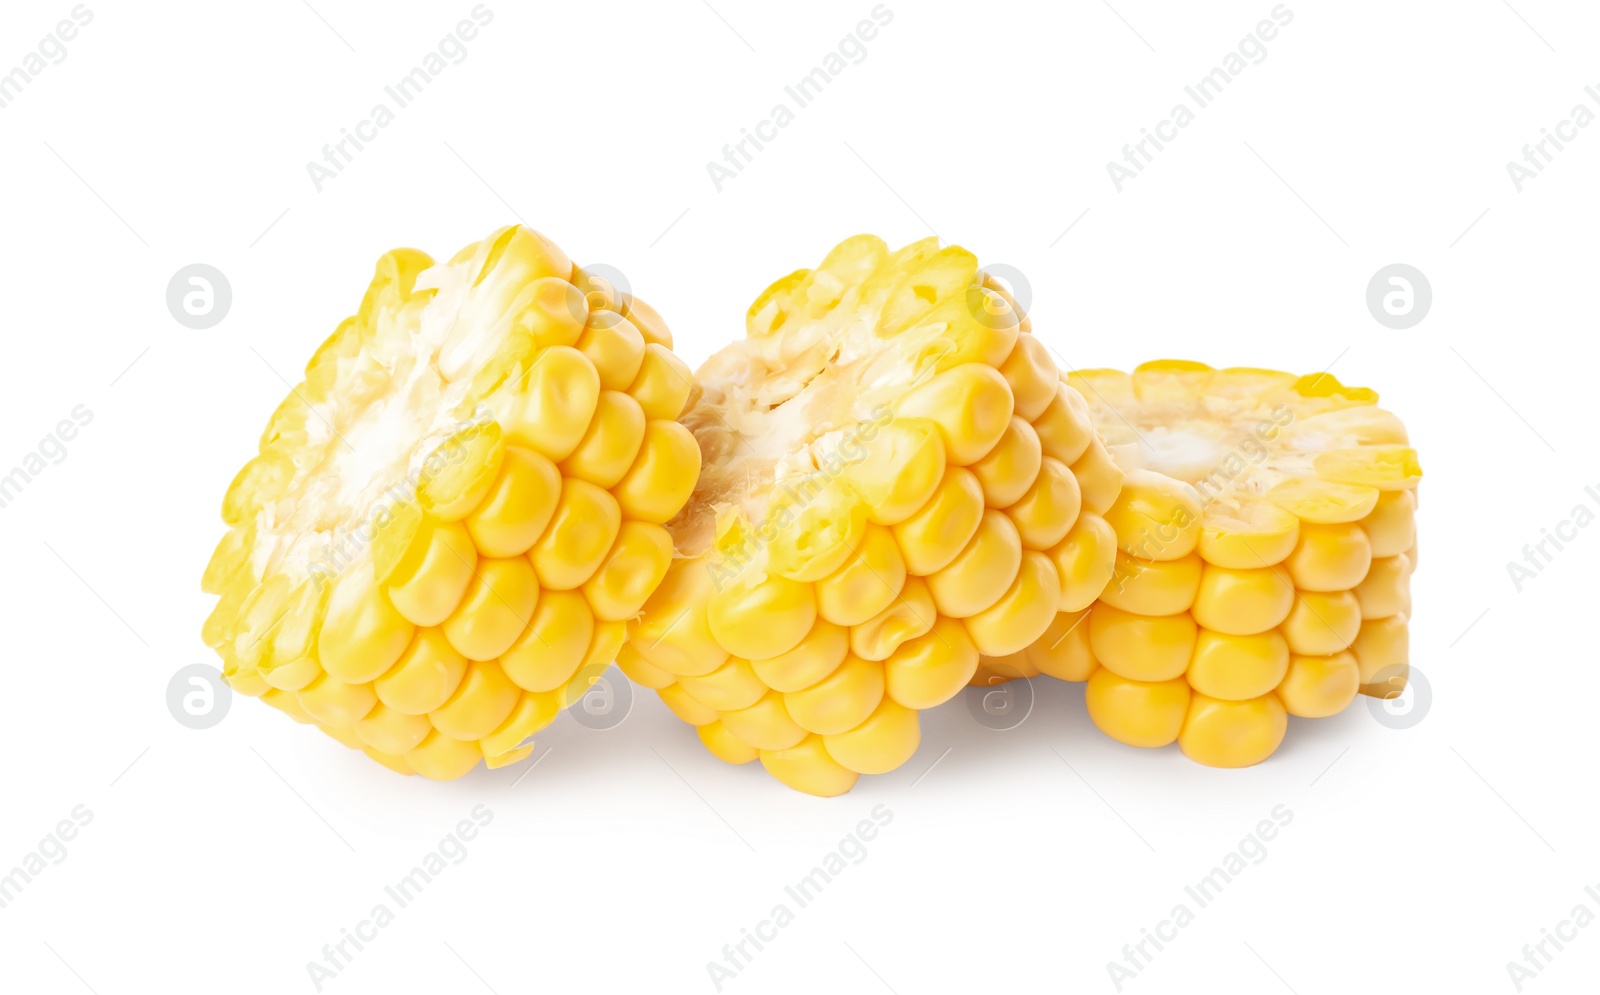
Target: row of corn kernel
(1194, 645)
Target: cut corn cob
(1265, 542)
(895, 481)
(451, 519)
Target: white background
(1373, 133)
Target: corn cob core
(452, 517)
(895, 481)
(1265, 542)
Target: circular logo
(199, 296)
(1399, 296)
(603, 294)
(993, 310)
(1408, 704)
(1001, 706)
(599, 698)
(198, 697)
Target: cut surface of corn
(1265, 544)
(451, 519)
(895, 481)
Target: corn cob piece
(451, 519)
(1265, 541)
(895, 481)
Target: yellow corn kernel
(1153, 587)
(1391, 526)
(555, 313)
(766, 725)
(808, 767)
(581, 533)
(1330, 557)
(484, 699)
(425, 677)
(1322, 623)
(868, 583)
(1099, 478)
(363, 635)
(887, 739)
(432, 576)
(332, 702)
(519, 505)
(761, 620)
(1139, 713)
(673, 632)
(1254, 534)
(1048, 510)
(1237, 667)
(685, 707)
(1140, 647)
(1324, 502)
(1318, 686)
(1012, 466)
(630, 572)
(548, 652)
(840, 701)
(1383, 649)
(898, 469)
(1243, 602)
(288, 703)
(1023, 612)
(816, 533)
(554, 409)
(615, 347)
(608, 449)
(389, 731)
(531, 713)
(1066, 431)
(949, 519)
(722, 744)
(1086, 558)
(1221, 733)
(495, 610)
(637, 669)
(931, 669)
(1386, 589)
(730, 687)
(663, 384)
(662, 476)
(459, 473)
(441, 758)
(1033, 377)
(972, 406)
(1155, 517)
(982, 572)
(1386, 467)
(910, 615)
(1063, 652)
(813, 658)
